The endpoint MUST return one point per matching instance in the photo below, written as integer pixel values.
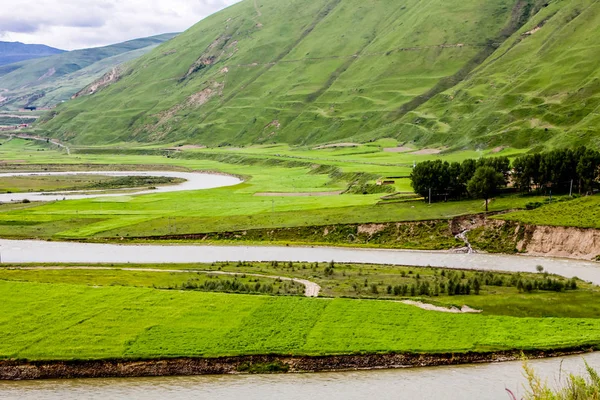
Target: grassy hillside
(543, 84)
(48, 81)
(14, 52)
(296, 71)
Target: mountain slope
(13, 52)
(305, 72)
(48, 81)
(541, 87)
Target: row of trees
(561, 171)
(441, 180)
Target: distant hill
(45, 82)
(453, 73)
(12, 52)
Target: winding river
(485, 381)
(193, 181)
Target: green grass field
(225, 209)
(60, 321)
(581, 213)
(361, 281)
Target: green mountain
(455, 73)
(13, 52)
(45, 82)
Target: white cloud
(74, 24)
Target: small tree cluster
(235, 286)
(444, 180)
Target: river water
(482, 382)
(24, 251)
(193, 181)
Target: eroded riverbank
(22, 370)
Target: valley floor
(67, 313)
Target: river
(25, 251)
(193, 181)
(481, 382)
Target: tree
(484, 183)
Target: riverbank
(468, 233)
(25, 370)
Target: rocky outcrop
(107, 79)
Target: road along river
(481, 382)
(193, 181)
(31, 251)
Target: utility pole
(429, 195)
(571, 190)
(272, 206)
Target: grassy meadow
(61, 321)
(581, 213)
(268, 171)
(495, 293)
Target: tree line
(559, 171)
(562, 171)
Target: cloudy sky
(74, 24)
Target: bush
(533, 205)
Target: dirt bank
(23, 370)
(500, 236)
(560, 241)
(484, 234)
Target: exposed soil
(24, 370)
(401, 149)
(48, 74)
(431, 307)
(560, 241)
(427, 152)
(107, 79)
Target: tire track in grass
(311, 288)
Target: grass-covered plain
(232, 208)
(495, 293)
(60, 321)
(581, 213)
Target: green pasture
(224, 209)
(60, 321)
(583, 212)
(359, 281)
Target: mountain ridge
(47, 81)
(339, 70)
(12, 52)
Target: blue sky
(75, 24)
